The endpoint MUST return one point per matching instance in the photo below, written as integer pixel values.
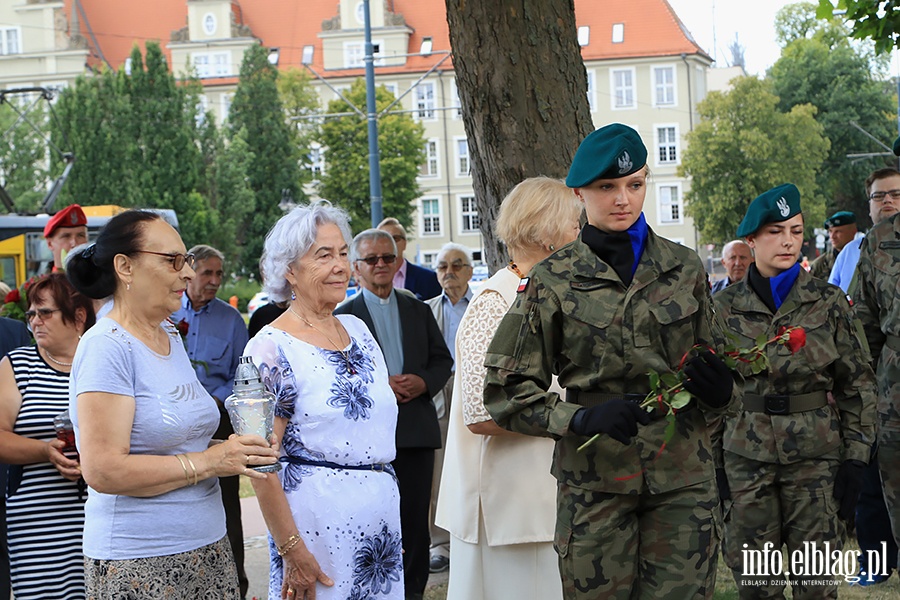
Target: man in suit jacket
(736, 257)
(419, 364)
(420, 281)
(13, 334)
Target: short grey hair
(453, 246)
(202, 252)
(292, 237)
(369, 234)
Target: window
(212, 64)
(666, 145)
(463, 167)
(431, 216)
(618, 33)
(469, 217)
(669, 204)
(202, 109)
(584, 35)
(354, 55)
(591, 90)
(663, 86)
(9, 40)
(225, 105)
(316, 160)
(393, 89)
(209, 24)
(454, 98)
(428, 259)
(425, 100)
(623, 88)
(430, 168)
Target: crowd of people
(594, 421)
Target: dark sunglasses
(43, 313)
(373, 260)
(178, 260)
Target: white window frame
(618, 33)
(656, 87)
(5, 32)
(438, 219)
(461, 159)
(658, 144)
(212, 64)
(472, 212)
(431, 159)
(665, 209)
(215, 23)
(423, 107)
(316, 160)
(225, 102)
(592, 89)
(428, 258)
(202, 108)
(454, 100)
(354, 47)
(613, 96)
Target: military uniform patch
(523, 285)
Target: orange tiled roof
(651, 28)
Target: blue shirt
(216, 338)
(453, 314)
(845, 265)
(386, 318)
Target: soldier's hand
(617, 418)
(847, 485)
(709, 379)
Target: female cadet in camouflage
(600, 313)
(794, 461)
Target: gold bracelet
(193, 468)
(289, 544)
(184, 467)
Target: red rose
(12, 296)
(796, 338)
(182, 327)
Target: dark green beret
(897, 146)
(842, 217)
(610, 152)
(777, 205)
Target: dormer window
(361, 13)
(618, 33)
(209, 24)
(584, 35)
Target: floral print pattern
(353, 362)
(378, 565)
(353, 396)
(279, 379)
(293, 474)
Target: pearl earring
(128, 286)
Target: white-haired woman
(334, 513)
(485, 465)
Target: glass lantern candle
(251, 407)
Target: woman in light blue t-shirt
(144, 426)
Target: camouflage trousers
(615, 546)
(889, 468)
(785, 505)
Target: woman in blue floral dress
(333, 512)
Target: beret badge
(625, 163)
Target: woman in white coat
(497, 498)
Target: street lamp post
(372, 119)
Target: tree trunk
(523, 92)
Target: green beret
(610, 152)
(777, 205)
(842, 217)
(897, 146)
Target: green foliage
(743, 146)
(274, 171)
(232, 200)
(242, 287)
(401, 144)
(795, 21)
(878, 21)
(22, 152)
(826, 71)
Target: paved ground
(256, 559)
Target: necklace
(59, 362)
(337, 346)
(515, 269)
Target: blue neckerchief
(638, 234)
(782, 283)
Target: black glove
(722, 484)
(617, 418)
(847, 485)
(709, 379)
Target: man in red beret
(65, 230)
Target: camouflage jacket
(821, 267)
(878, 308)
(835, 358)
(575, 319)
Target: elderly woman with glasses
(154, 522)
(45, 478)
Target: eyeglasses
(456, 265)
(43, 313)
(373, 260)
(879, 196)
(178, 260)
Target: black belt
(785, 405)
(377, 467)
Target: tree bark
(523, 93)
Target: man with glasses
(454, 269)
(420, 281)
(418, 364)
(215, 336)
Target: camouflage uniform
(876, 304)
(781, 467)
(821, 267)
(653, 535)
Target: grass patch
(246, 489)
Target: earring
(552, 247)
(293, 295)
(128, 286)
